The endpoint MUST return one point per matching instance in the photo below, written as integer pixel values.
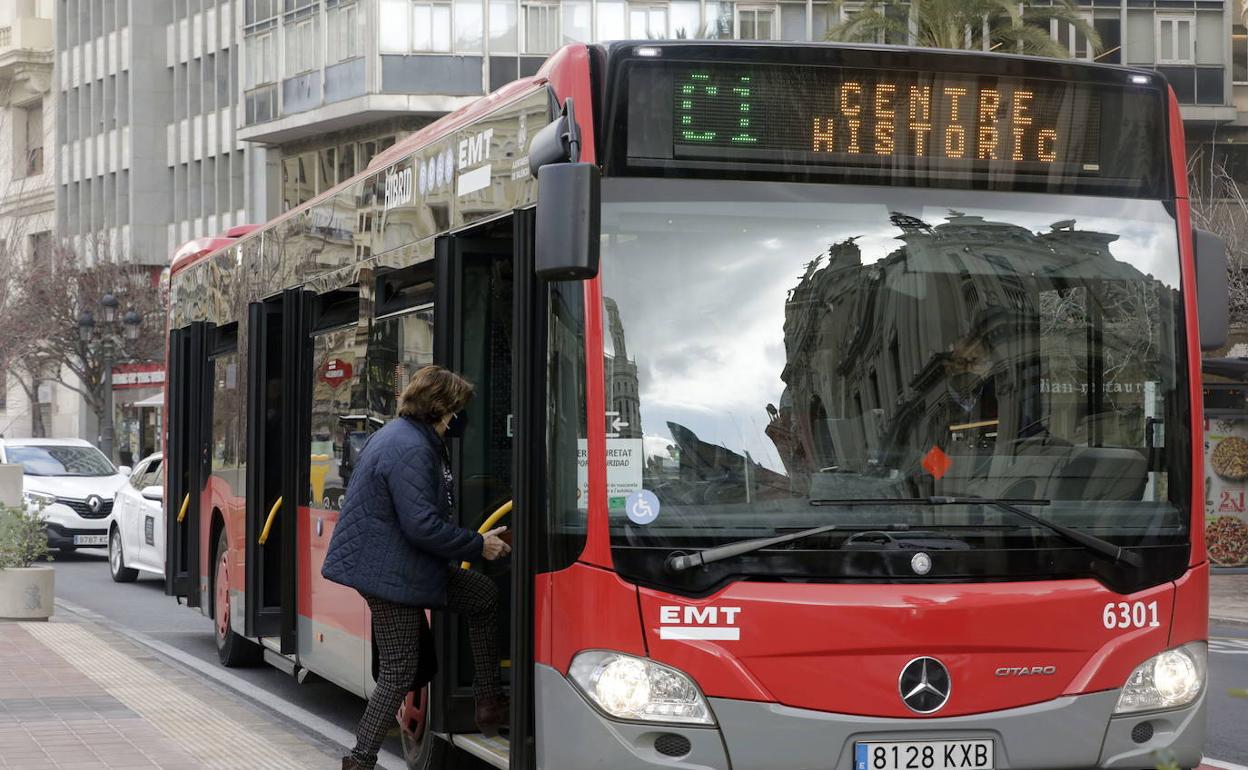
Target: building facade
(146, 130)
(29, 404)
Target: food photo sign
(1226, 491)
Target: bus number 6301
(1130, 615)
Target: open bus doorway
(473, 337)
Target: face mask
(458, 424)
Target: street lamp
(105, 340)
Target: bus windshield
(773, 350)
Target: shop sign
(138, 376)
(335, 372)
(1226, 490)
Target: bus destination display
(883, 118)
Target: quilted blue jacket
(394, 537)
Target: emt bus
(844, 402)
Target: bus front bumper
(1077, 732)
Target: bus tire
(233, 650)
(429, 753)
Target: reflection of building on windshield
(1033, 360)
(623, 412)
(684, 468)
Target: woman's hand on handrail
(492, 546)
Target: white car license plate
(90, 539)
(923, 755)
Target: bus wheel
(232, 649)
(422, 750)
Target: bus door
(474, 337)
(278, 461)
(186, 461)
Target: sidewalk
(1228, 598)
(76, 696)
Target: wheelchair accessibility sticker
(642, 507)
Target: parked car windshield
(53, 460)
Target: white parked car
(74, 484)
(137, 539)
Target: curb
(257, 695)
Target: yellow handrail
(186, 503)
(489, 523)
(268, 523)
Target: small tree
(1001, 25)
(1219, 206)
(23, 539)
(57, 294)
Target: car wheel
(233, 650)
(117, 561)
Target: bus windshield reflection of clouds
(1036, 349)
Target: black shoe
(351, 763)
(493, 714)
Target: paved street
(1228, 693)
(142, 608)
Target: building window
(28, 140)
(469, 26)
(261, 60)
(431, 27)
(541, 28)
(1072, 39)
(299, 183)
(343, 25)
(647, 22)
(756, 22)
(1110, 32)
(503, 26)
(41, 247)
(258, 10)
(1239, 53)
(301, 46)
(1175, 42)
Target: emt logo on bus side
(688, 622)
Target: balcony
(25, 59)
(30, 34)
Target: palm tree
(1001, 25)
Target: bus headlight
(628, 687)
(1168, 680)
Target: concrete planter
(26, 593)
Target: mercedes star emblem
(94, 502)
(921, 563)
(924, 685)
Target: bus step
(496, 751)
(281, 662)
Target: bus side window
(566, 506)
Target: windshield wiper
(1091, 542)
(683, 561)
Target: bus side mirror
(568, 225)
(567, 222)
(1212, 306)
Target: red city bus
(844, 402)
